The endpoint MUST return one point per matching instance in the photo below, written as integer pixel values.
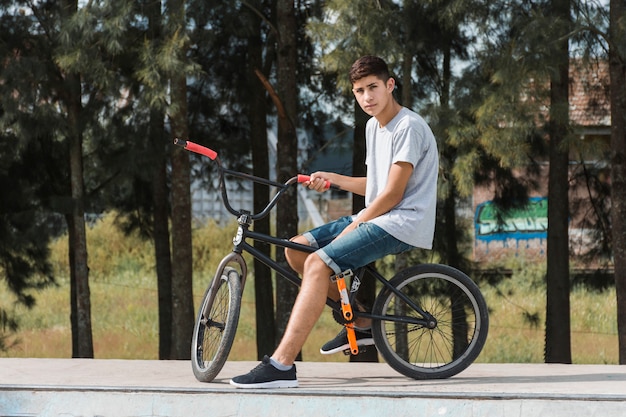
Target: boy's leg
(279, 371)
(361, 246)
(306, 310)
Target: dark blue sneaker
(265, 375)
(340, 342)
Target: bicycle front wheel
(216, 325)
(458, 322)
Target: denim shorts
(367, 243)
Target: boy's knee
(294, 257)
(316, 266)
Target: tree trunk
(69, 218)
(287, 149)
(160, 191)
(452, 255)
(358, 153)
(263, 288)
(558, 341)
(182, 292)
(367, 291)
(617, 68)
(161, 235)
(182, 296)
(84, 341)
(81, 321)
(162, 255)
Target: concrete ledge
(79, 387)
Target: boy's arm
(391, 196)
(399, 174)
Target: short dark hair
(369, 65)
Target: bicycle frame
(244, 233)
(245, 219)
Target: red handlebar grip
(304, 178)
(194, 147)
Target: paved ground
(33, 386)
(479, 379)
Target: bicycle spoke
(216, 325)
(425, 352)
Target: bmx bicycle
(429, 321)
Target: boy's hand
(318, 182)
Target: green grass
(517, 320)
(125, 321)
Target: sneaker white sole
(361, 342)
(270, 384)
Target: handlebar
(211, 154)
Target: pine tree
(54, 101)
(507, 124)
(98, 43)
(28, 153)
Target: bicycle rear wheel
(216, 325)
(451, 343)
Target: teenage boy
(400, 192)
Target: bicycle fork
(346, 308)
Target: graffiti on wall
(530, 222)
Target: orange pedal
(346, 308)
(354, 348)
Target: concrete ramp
(86, 387)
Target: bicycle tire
(216, 325)
(459, 309)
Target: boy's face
(373, 94)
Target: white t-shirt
(406, 138)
